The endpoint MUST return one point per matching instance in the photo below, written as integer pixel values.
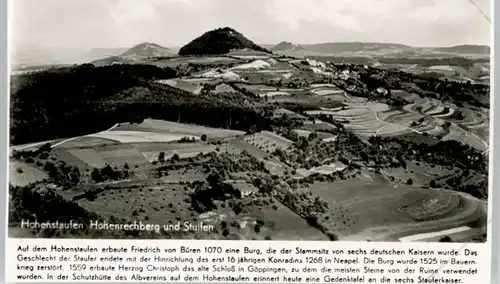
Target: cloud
(119, 23)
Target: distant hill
(285, 45)
(472, 49)
(136, 54)
(377, 49)
(219, 41)
(147, 49)
(330, 47)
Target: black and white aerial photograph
(278, 120)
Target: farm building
(243, 187)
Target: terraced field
(364, 120)
(424, 116)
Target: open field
(128, 136)
(132, 154)
(66, 156)
(302, 133)
(90, 157)
(283, 224)
(325, 92)
(420, 173)
(177, 130)
(182, 152)
(32, 146)
(166, 147)
(124, 155)
(238, 145)
(468, 212)
(86, 142)
(371, 203)
(325, 170)
(318, 125)
(183, 85)
(21, 174)
(224, 88)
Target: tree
(96, 175)
(215, 180)
(44, 155)
(445, 239)
(252, 129)
(312, 136)
(45, 148)
(204, 137)
(176, 158)
(332, 237)
(433, 183)
(302, 143)
(161, 157)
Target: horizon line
(260, 44)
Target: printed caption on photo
(243, 262)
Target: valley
(259, 144)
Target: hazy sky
(123, 23)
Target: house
(382, 91)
